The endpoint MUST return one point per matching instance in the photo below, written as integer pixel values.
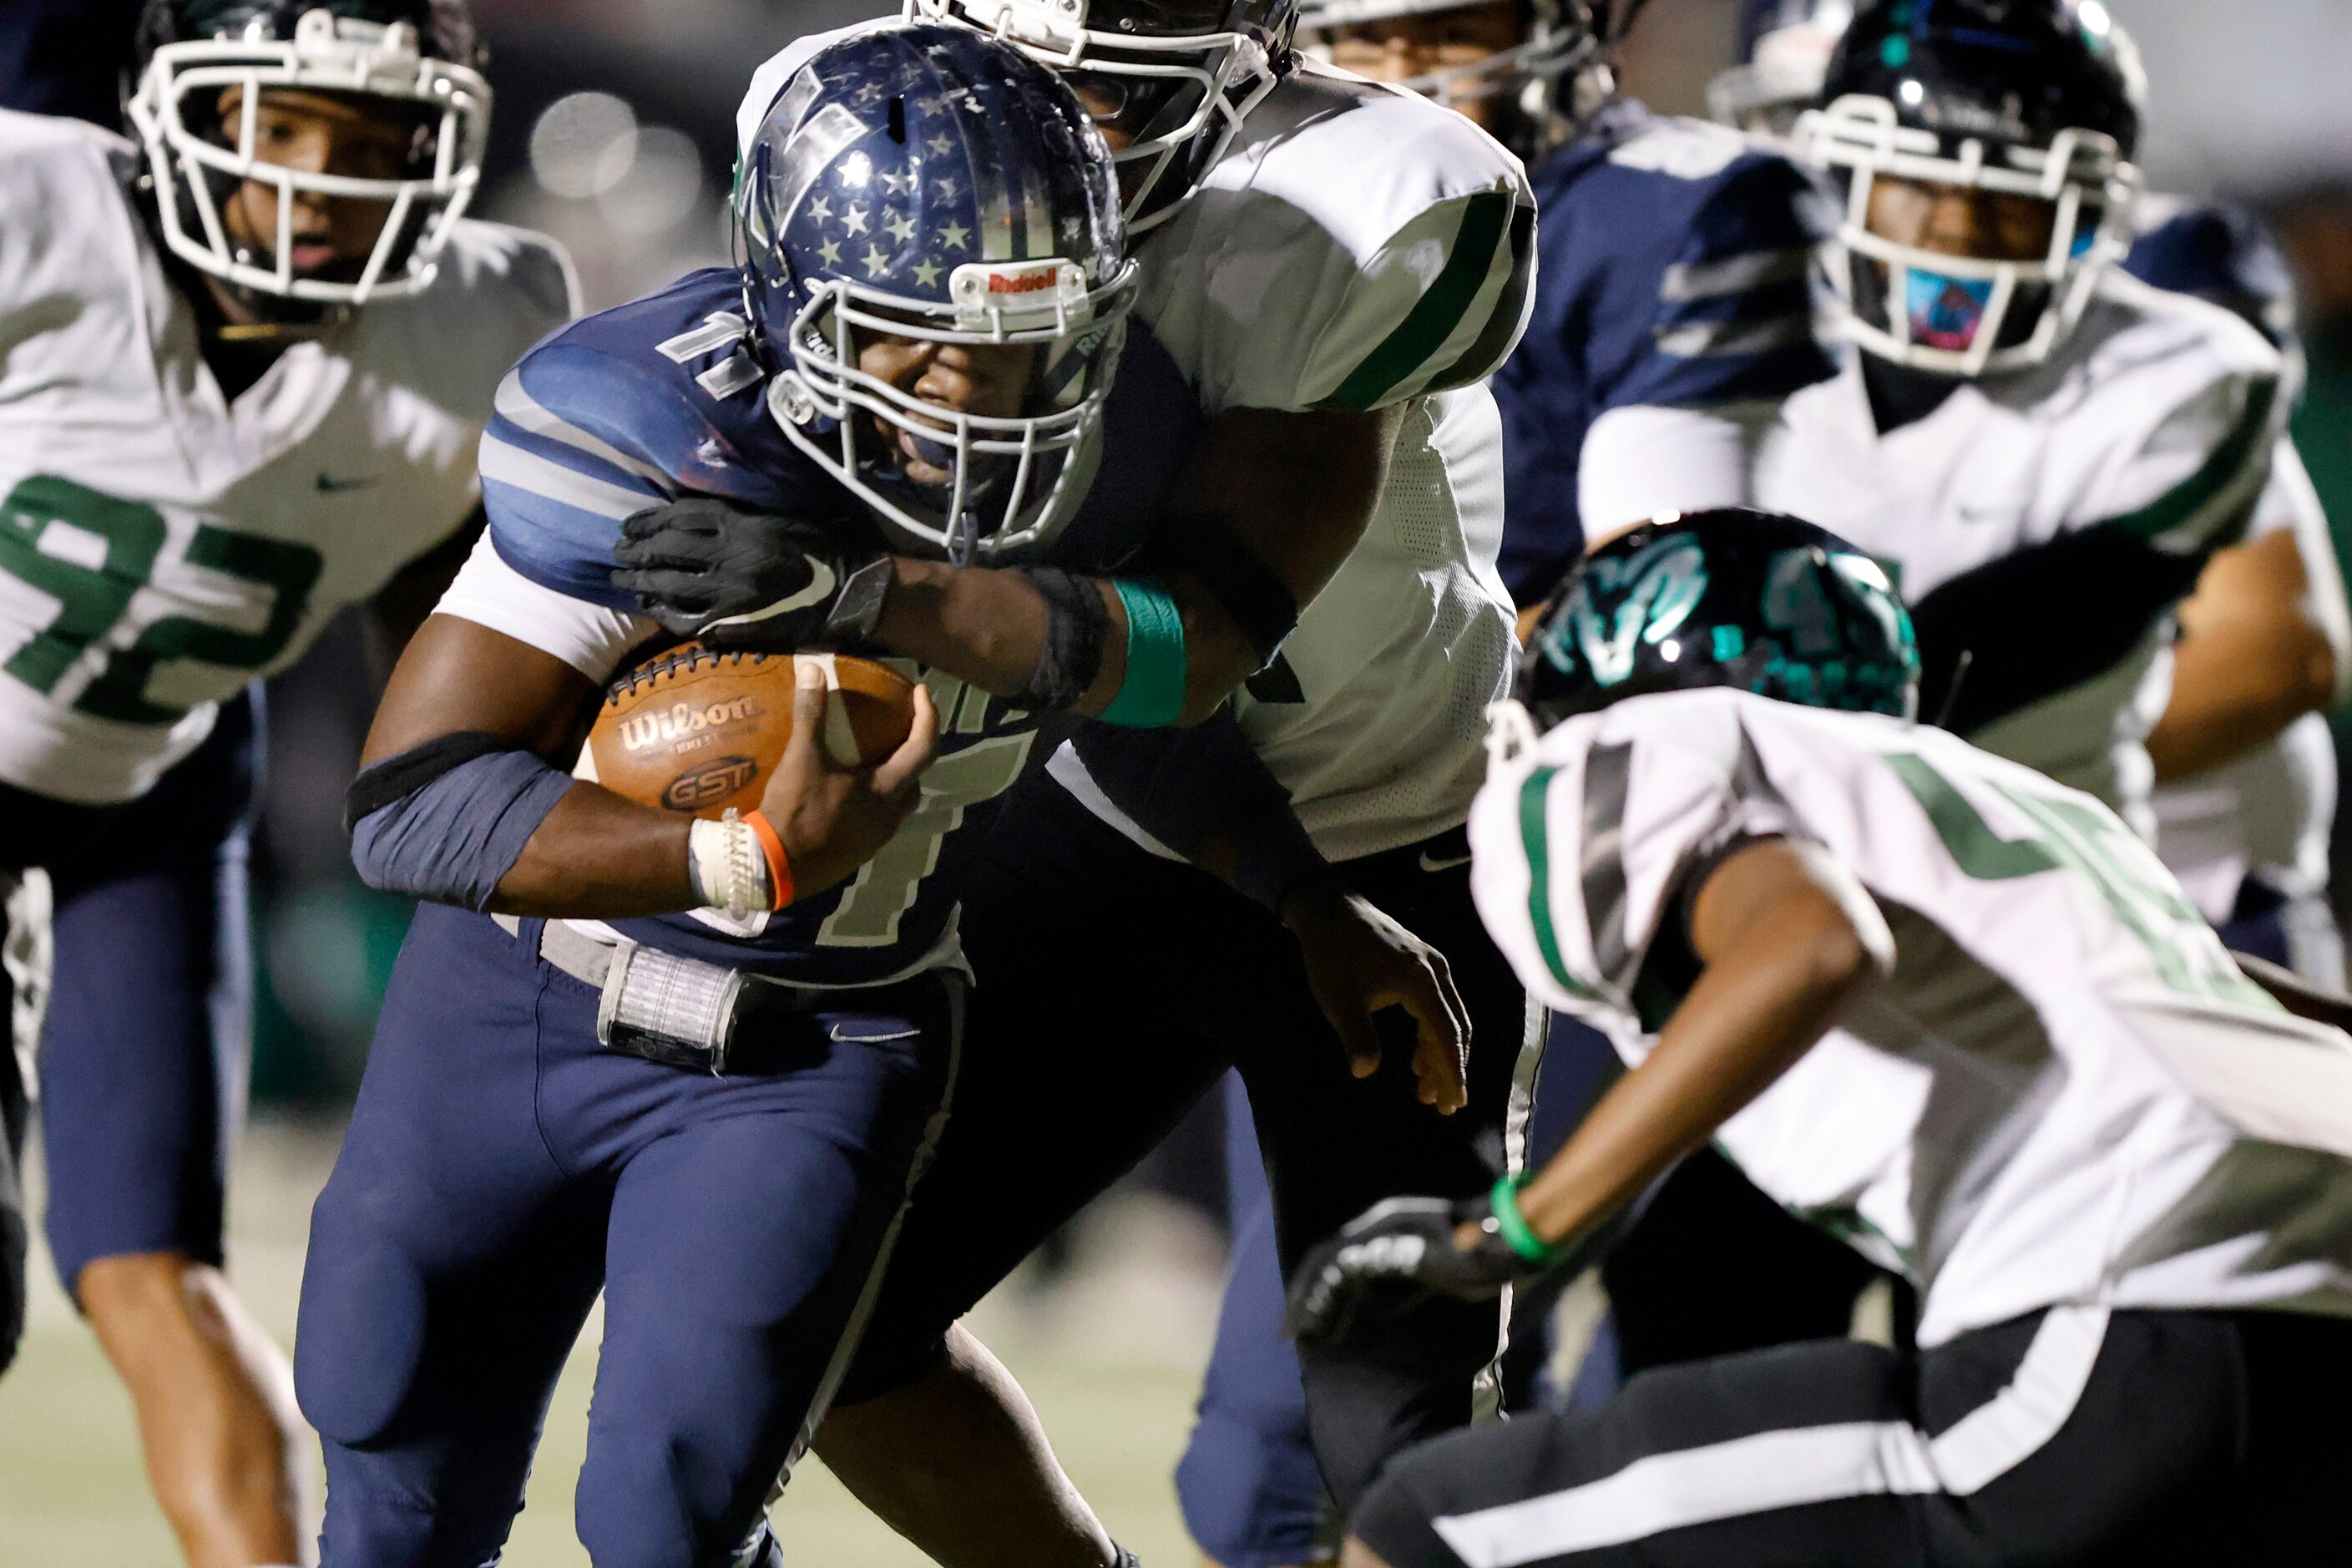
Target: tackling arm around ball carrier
(1271, 503)
(595, 854)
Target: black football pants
(1114, 989)
(2075, 1438)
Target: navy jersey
(625, 410)
(1674, 270)
(2221, 254)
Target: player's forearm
(989, 627)
(2235, 687)
(598, 857)
(2254, 656)
(1759, 1004)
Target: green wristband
(1518, 1234)
(1152, 694)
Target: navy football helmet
(1172, 80)
(2031, 99)
(1783, 56)
(414, 62)
(923, 187)
(1562, 42)
(1753, 600)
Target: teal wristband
(1518, 1234)
(1152, 694)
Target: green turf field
(1112, 1359)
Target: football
(696, 731)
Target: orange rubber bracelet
(779, 870)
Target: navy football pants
(501, 1167)
(1115, 989)
(147, 1026)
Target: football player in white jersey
(1952, 1012)
(1334, 266)
(2045, 451)
(251, 352)
(2245, 767)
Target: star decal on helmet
(955, 236)
(854, 219)
(900, 228)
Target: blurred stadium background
(614, 131)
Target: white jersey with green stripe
(162, 545)
(2062, 1091)
(1358, 247)
(2155, 420)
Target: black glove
(752, 580)
(1401, 1248)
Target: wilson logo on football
(714, 780)
(679, 721)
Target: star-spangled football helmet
(2033, 98)
(1563, 41)
(414, 60)
(1784, 53)
(925, 184)
(1178, 75)
(1753, 600)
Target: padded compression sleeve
(452, 838)
(2041, 621)
(1190, 788)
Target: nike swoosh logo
(328, 484)
(819, 588)
(1431, 863)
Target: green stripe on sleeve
(2226, 467)
(1438, 314)
(1535, 835)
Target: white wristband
(727, 866)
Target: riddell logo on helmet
(1029, 283)
(682, 721)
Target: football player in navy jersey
(699, 1064)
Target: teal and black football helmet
(203, 69)
(1753, 600)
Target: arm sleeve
(452, 838)
(2025, 625)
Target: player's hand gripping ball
(697, 732)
